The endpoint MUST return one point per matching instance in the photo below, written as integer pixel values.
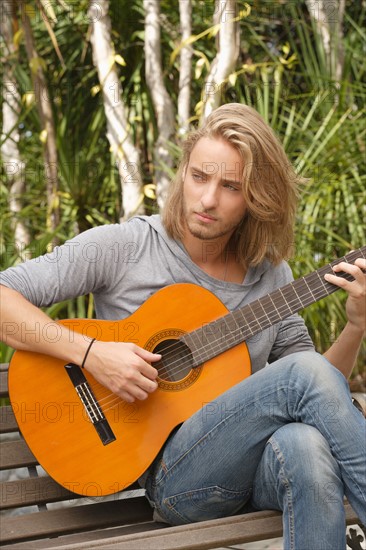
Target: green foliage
(282, 71)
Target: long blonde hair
(269, 185)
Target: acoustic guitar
(91, 441)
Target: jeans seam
(285, 482)
(203, 493)
(174, 511)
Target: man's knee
(316, 365)
(297, 459)
(301, 447)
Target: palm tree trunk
(126, 154)
(226, 57)
(163, 105)
(185, 69)
(328, 18)
(12, 161)
(44, 106)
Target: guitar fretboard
(235, 327)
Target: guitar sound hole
(176, 361)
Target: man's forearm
(344, 352)
(25, 327)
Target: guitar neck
(239, 325)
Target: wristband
(87, 352)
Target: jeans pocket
(203, 504)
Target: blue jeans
(286, 438)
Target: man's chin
(204, 233)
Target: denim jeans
(286, 438)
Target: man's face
(213, 200)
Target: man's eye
(231, 187)
(198, 177)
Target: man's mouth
(204, 217)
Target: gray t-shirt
(124, 264)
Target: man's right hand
(123, 368)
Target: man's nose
(210, 196)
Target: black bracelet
(87, 351)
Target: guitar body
(57, 426)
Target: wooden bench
(39, 513)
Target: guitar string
(182, 365)
(232, 335)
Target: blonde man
(268, 442)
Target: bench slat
(149, 536)
(37, 490)
(16, 454)
(4, 384)
(75, 519)
(212, 535)
(82, 537)
(8, 423)
(223, 532)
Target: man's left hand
(356, 302)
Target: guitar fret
(298, 297)
(265, 313)
(292, 298)
(246, 328)
(270, 308)
(319, 285)
(236, 331)
(285, 301)
(305, 291)
(226, 320)
(255, 318)
(194, 342)
(232, 319)
(322, 282)
(276, 308)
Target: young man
(288, 437)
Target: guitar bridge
(90, 403)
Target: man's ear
(184, 172)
